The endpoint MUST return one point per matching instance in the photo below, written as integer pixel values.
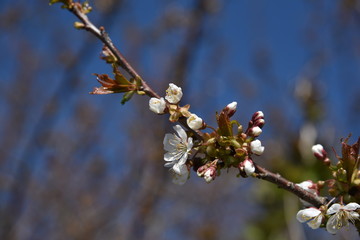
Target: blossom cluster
(207, 153)
(337, 216)
(345, 184)
(170, 104)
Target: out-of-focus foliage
(79, 166)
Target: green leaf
(127, 96)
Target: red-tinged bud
(309, 186)
(230, 109)
(319, 152)
(208, 171)
(259, 123)
(246, 168)
(327, 162)
(258, 115)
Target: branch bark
(285, 184)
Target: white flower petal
(183, 175)
(177, 168)
(181, 132)
(167, 139)
(189, 144)
(316, 222)
(173, 94)
(249, 167)
(333, 209)
(354, 215)
(256, 147)
(335, 222)
(351, 206)
(307, 214)
(169, 157)
(157, 105)
(169, 164)
(194, 122)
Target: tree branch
(76, 9)
(261, 172)
(285, 184)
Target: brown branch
(76, 9)
(285, 184)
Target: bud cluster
(171, 105)
(225, 147)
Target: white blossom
(194, 122)
(318, 150)
(249, 167)
(181, 177)
(341, 215)
(157, 105)
(178, 147)
(256, 147)
(173, 94)
(312, 216)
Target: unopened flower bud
(157, 105)
(259, 123)
(210, 174)
(230, 109)
(255, 131)
(247, 167)
(256, 147)
(208, 171)
(194, 122)
(318, 151)
(258, 115)
(173, 94)
(309, 186)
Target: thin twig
(76, 9)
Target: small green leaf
(127, 96)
